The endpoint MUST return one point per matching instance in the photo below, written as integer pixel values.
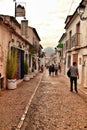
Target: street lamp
(82, 10)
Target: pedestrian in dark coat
(41, 68)
(50, 70)
(73, 77)
(59, 67)
(56, 70)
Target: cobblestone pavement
(13, 102)
(54, 107)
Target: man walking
(56, 70)
(50, 70)
(74, 76)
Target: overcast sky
(47, 16)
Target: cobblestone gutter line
(27, 107)
(83, 91)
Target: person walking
(56, 70)
(50, 70)
(59, 67)
(73, 77)
(41, 68)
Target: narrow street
(54, 107)
(37, 36)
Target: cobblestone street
(43, 65)
(13, 103)
(54, 107)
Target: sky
(46, 16)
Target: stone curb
(29, 102)
(79, 88)
(27, 107)
(83, 91)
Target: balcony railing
(68, 44)
(74, 41)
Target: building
(75, 44)
(22, 39)
(62, 52)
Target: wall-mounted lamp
(82, 10)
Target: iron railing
(74, 41)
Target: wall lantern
(82, 10)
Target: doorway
(84, 71)
(75, 58)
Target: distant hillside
(49, 50)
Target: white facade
(11, 37)
(75, 43)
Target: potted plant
(26, 71)
(11, 70)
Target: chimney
(24, 28)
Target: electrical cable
(70, 7)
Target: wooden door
(84, 71)
(75, 58)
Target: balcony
(73, 42)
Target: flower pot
(31, 75)
(26, 77)
(12, 84)
(35, 71)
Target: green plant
(29, 70)
(32, 51)
(11, 64)
(26, 67)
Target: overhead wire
(70, 7)
(69, 10)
